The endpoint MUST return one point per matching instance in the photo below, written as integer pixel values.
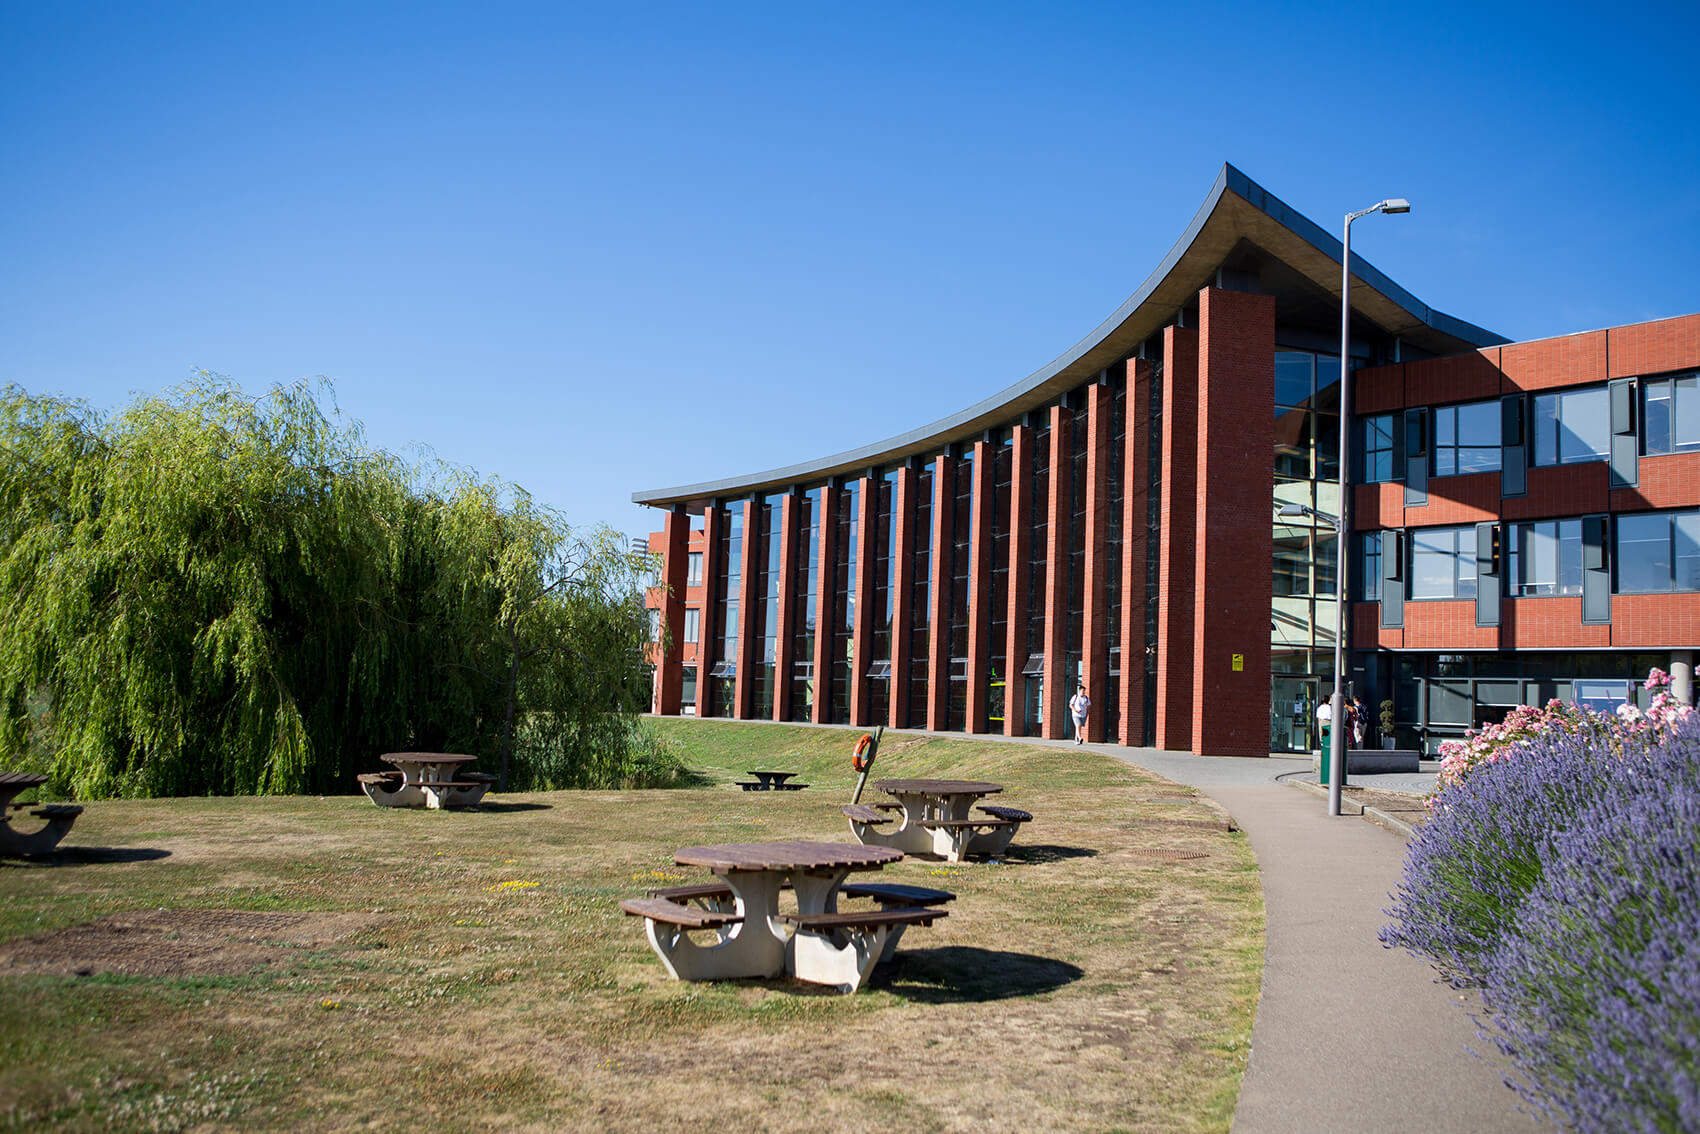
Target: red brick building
(1525, 523)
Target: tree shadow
(1029, 854)
(959, 974)
(88, 856)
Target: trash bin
(1323, 757)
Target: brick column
(862, 626)
(902, 600)
(938, 612)
(1236, 476)
(749, 646)
(1094, 623)
(1136, 499)
(827, 537)
(670, 673)
(1020, 537)
(783, 633)
(1179, 521)
(984, 480)
(1055, 712)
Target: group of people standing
(1357, 721)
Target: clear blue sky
(595, 249)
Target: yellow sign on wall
(1239, 663)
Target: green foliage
(216, 594)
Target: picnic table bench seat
(672, 913)
(842, 948)
(958, 838)
(57, 817)
(862, 813)
(378, 777)
(1002, 812)
(896, 894)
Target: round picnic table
(756, 872)
(427, 767)
(929, 810)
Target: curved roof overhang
(1236, 212)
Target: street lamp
(1343, 526)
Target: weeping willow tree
(210, 593)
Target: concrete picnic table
(936, 817)
(58, 816)
(771, 781)
(431, 780)
(816, 944)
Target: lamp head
(1292, 510)
(1396, 205)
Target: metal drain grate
(1168, 854)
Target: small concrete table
(771, 781)
(936, 818)
(58, 816)
(756, 942)
(427, 779)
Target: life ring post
(862, 759)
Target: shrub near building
(1561, 875)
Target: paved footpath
(1350, 1036)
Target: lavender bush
(1594, 990)
(1471, 865)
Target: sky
(597, 249)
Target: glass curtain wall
(806, 511)
(1153, 546)
(764, 619)
(1111, 709)
(1306, 547)
(997, 669)
(1033, 665)
(961, 527)
(884, 551)
(1075, 508)
(920, 599)
(722, 675)
(844, 603)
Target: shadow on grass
(487, 806)
(1029, 854)
(89, 856)
(960, 974)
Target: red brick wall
(1671, 481)
(1095, 631)
(1549, 622)
(1055, 714)
(1236, 475)
(1655, 621)
(1179, 526)
(1020, 548)
(980, 583)
(1650, 348)
(1136, 455)
(1448, 625)
(903, 600)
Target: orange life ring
(861, 759)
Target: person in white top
(1078, 706)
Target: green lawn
(320, 963)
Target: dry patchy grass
(324, 964)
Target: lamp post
(1343, 526)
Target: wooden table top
(427, 758)
(937, 787)
(786, 856)
(21, 780)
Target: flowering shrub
(1594, 989)
(1468, 868)
(1458, 758)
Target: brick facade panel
(1454, 378)
(1671, 481)
(1549, 622)
(1563, 490)
(1378, 389)
(1456, 500)
(1447, 626)
(1572, 360)
(1655, 621)
(1652, 348)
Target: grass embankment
(461, 970)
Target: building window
(688, 690)
(693, 625)
(1572, 427)
(1466, 439)
(1369, 554)
(1671, 414)
(654, 625)
(1375, 442)
(1658, 552)
(1545, 558)
(693, 569)
(1443, 563)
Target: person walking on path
(1079, 705)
